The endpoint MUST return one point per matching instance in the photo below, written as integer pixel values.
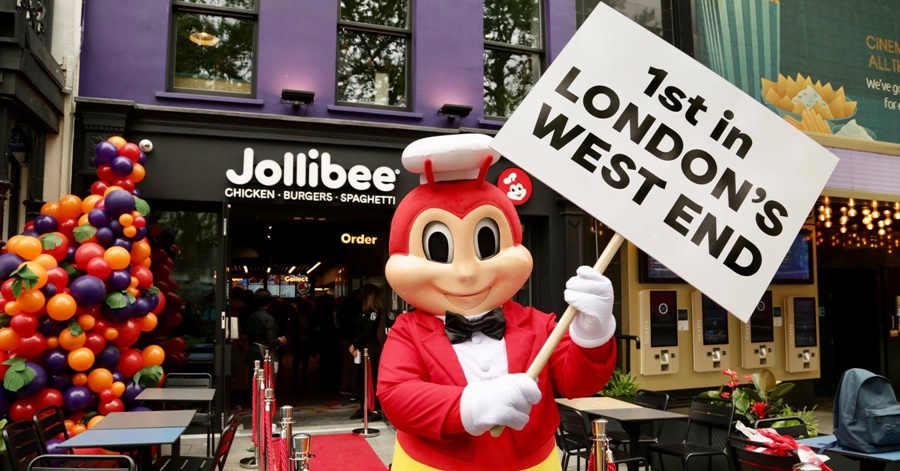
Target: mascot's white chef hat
(453, 170)
(453, 157)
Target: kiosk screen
(663, 319)
(761, 324)
(804, 322)
(715, 323)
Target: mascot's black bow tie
(459, 329)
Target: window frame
(541, 53)
(182, 6)
(368, 28)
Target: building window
(513, 53)
(655, 15)
(213, 47)
(373, 53)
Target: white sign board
(671, 156)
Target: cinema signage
(310, 176)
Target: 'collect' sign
(670, 155)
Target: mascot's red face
(456, 246)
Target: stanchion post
(252, 462)
(301, 445)
(366, 431)
(602, 452)
(287, 431)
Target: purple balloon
(122, 166)
(140, 234)
(117, 376)
(122, 242)
(105, 152)
(119, 314)
(108, 358)
(45, 223)
(53, 447)
(30, 233)
(118, 280)
(49, 327)
(36, 384)
(76, 398)
(142, 159)
(98, 218)
(9, 262)
(56, 361)
(116, 227)
(131, 392)
(139, 409)
(142, 306)
(118, 202)
(105, 236)
(61, 381)
(49, 290)
(136, 191)
(88, 290)
(5, 400)
(70, 254)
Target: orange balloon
(99, 379)
(129, 231)
(89, 202)
(79, 379)
(70, 206)
(61, 307)
(134, 282)
(140, 250)
(94, 420)
(146, 262)
(106, 192)
(46, 260)
(111, 333)
(31, 300)
(52, 343)
(9, 340)
(117, 257)
(148, 322)
(138, 173)
(28, 247)
(86, 321)
(81, 359)
(83, 220)
(38, 270)
(133, 291)
(71, 342)
(50, 209)
(12, 308)
(118, 388)
(126, 220)
(153, 355)
(78, 428)
(118, 141)
(12, 242)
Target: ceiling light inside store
(245, 269)
(313, 268)
(848, 223)
(203, 38)
(291, 271)
(268, 269)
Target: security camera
(146, 145)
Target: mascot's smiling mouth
(468, 301)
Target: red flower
(733, 383)
(759, 408)
(725, 394)
(731, 373)
(748, 378)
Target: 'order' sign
(671, 156)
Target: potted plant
(621, 386)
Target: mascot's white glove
(591, 294)
(506, 400)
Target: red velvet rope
(255, 410)
(277, 456)
(591, 464)
(370, 388)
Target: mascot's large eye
(487, 238)
(438, 242)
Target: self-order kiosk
(659, 332)
(758, 335)
(801, 339)
(710, 334)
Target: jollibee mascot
(453, 367)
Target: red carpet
(344, 452)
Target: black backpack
(866, 414)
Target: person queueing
(454, 368)
(262, 331)
(366, 334)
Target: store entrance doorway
(313, 262)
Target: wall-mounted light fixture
(297, 97)
(454, 111)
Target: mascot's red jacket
(456, 247)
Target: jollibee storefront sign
(671, 156)
(311, 176)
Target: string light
(854, 225)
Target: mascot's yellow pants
(403, 462)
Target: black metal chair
(651, 400)
(796, 430)
(107, 462)
(708, 414)
(49, 423)
(22, 444)
(743, 459)
(574, 438)
(196, 380)
(204, 463)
